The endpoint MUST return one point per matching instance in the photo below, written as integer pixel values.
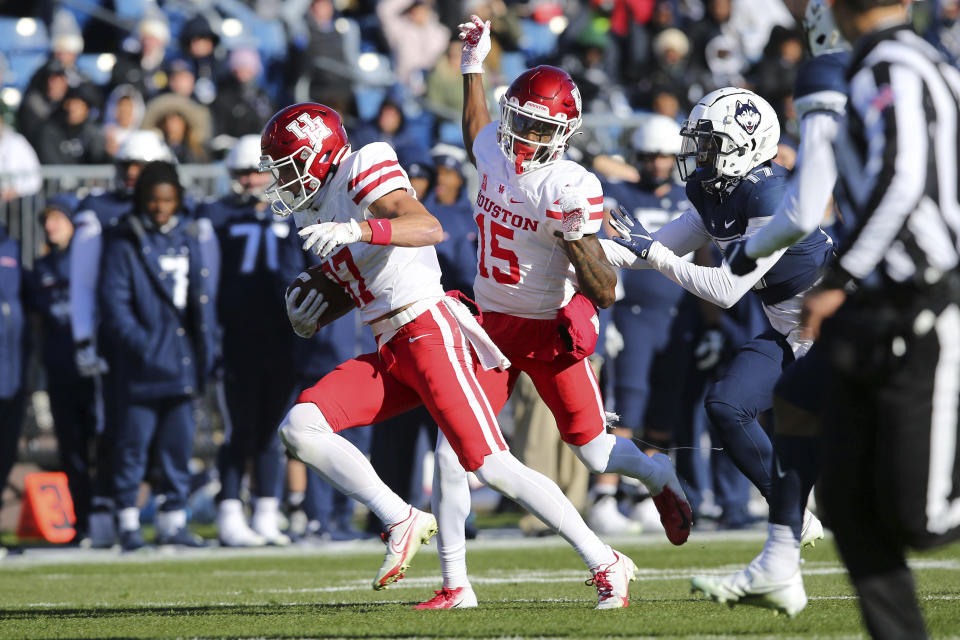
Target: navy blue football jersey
(259, 257)
(754, 199)
(646, 287)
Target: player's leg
(773, 577)
(358, 392)
(643, 334)
(268, 458)
(442, 368)
(572, 393)
(238, 395)
(736, 400)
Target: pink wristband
(380, 231)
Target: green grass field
(527, 588)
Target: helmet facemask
(294, 187)
(704, 152)
(532, 139)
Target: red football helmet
(302, 146)
(538, 114)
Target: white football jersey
(380, 278)
(523, 268)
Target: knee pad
(595, 455)
(302, 422)
(722, 415)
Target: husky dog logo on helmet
(747, 116)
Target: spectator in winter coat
(158, 310)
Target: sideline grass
(526, 589)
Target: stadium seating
(22, 67)
(26, 35)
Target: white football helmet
(821, 30)
(245, 154)
(657, 135)
(729, 132)
(656, 143)
(144, 146)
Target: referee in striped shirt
(890, 313)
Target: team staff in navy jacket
(72, 396)
(158, 305)
(11, 353)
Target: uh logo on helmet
(728, 133)
(302, 145)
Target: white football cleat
(675, 512)
(232, 527)
(459, 598)
(752, 586)
(605, 518)
(613, 582)
(811, 531)
(403, 541)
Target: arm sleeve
(85, 252)
(679, 236)
(116, 298)
(714, 284)
(808, 190)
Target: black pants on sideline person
(891, 478)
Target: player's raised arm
(476, 45)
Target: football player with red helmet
(358, 213)
(541, 276)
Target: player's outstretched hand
(305, 316)
(633, 235)
(327, 236)
(574, 209)
(476, 45)
(737, 259)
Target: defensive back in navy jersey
(748, 206)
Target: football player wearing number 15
(358, 213)
(540, 276)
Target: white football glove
(89, 364)
(327, 236)
(575, 209)
(305, 316)
(476, 44)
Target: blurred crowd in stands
(78, 80)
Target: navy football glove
(633, 235)
(740, 263)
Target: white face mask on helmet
(729, 132)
